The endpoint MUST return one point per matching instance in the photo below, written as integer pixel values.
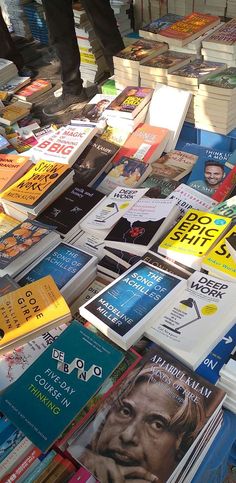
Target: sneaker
(64, 103)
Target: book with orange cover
(189, 28)
(12, 167)
(35, 89)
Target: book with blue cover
(150, 30)
(209, 171)
(69, 266)
(47, 397)
(122, 309)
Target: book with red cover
(33, 90)
(226, 187)
(189, 28)
(12, 167)
(146, 143)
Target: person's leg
(103, 20)
(8, 49)
(60, 22)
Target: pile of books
(227, 382)
(231, 8)
(8, 71)
(185, 7)
(221, 44)
(122, 14)
(37, 22)
(19, 21)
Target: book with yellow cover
(7, 223)
(29, 310)
(193, 237)
(13, 112)
(219, 260)
(12, 167)
(39, 182)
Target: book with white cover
(168, 108)
(196, 320)
(186, 197)
(121, 311)
(65, 145)
(110, 210)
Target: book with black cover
(70, 208)
(94, 160)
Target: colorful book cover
(187, 198)
(63, 263)
(193, 236)
(195, 23)
(19, 240)
(59, 384)
(174, 164)
(219, 259)
(7, 223)
(130, 99)
(210, 170)
(225, 79)
(35, 184)
(70, 208)
(226, 34)
(176, 406)
(140, 50)
(226, 208)
(36, 87)
(11, 113)
(93, 111)
(161, 23)
(11, 168)
(128, 172)
(167, 61)
(227, 186)
(115, 135)
(29, 309)
(198, 69)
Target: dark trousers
(60, 21)
(8, 49)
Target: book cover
(139, 50)
(7, 223)
(230, 241)
(225, 208)
(7, 284)
(160, 23)
(70, 208)
(165, 63)
(190, 27)
(14, 363)
(225, 79)
(166, 264)
(210, 170)
(213, 363)
(115, 135)
(64, 263)
(159, 186)
(36, 183)
(93, 289)
(13, 112)
(145, 143)
(197, 69)
(227, 186)
(12, 86)
(174, 164)
(123, 308)
(129, 102)
(193, 236)
(95, 158)
(65, 145)
(34, 89)
(187, 198)
(29, 309)
(19, 240)
(196, 320)
(219, 260)
(93, 111)
(127, 172)
(12, 167)
(59, 384)
(167, 406)
(225, 35)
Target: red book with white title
(33, 90)
(146, 143)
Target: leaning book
(161, 407)
(29, 311)
(48, 396)
(122, 310)
(196, 320)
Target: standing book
(193, 236)
(129, 102)
(186, 198)
(29, 311)
(12, 167)
(72, 371)
(122, 310)
(196, 319)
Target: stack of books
(155, 70)
(216, 7)
(33, 90)
(37, 22)
(126, 62)
(93, 63)
(215, 102)
(227, 381)
(19, 21)
(122, 14)
(185, 7)
(8, 71)
(14, 112)
(13, 85)
(221, 44)
(189, 78)
(231, 9)
(150, 30)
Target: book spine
(63, 471)
(41, 467)
(15, 456)
(43, 477)
(24, 465)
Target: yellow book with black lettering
(29, 311)
(35, 183)
(7, 223)
(219, 260)
(193, 237)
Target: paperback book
(230, 241)
(13, 85)
(165, 63)
(129, 102)
(226, 208)
(193, 237)
(29, 311)
(219, 261)
(189, 28)
(122, 310)
(127, 172)
(174, 164)
(199, 308)
(7, 223)
(33, 90)
(187, 198)
(150, 30)
(43, 414)
(132, 55)
(14, 112)
(12, 167)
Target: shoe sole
(63, 111)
